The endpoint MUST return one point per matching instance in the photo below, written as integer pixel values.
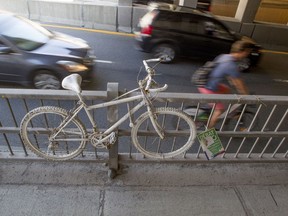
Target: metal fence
(268, 141)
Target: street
(119, 61)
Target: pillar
(247, 10)
(125, 2)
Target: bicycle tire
(245, 122)
(144, 135)
(247, 119)
(39, 124)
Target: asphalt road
(119, 61)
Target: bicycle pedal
(203, 117)
(243, 129)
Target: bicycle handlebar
(151, 73)
(163, 88)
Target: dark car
(190, 32)
(33, 55)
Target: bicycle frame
(68, 135)
(82, 105)
(111, 103)
(73, 83)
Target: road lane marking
(275, 52)
(90, 30)
(104, 61)
(281, 80)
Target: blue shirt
(227, 67)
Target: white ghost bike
(58, 134)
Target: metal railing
(267, 142)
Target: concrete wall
(268, 35)
(114, 17)
(17, 6)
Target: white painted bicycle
(57, 134)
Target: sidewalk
(161, 189)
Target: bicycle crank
(99, 140)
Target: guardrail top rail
(267, 142)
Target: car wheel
(46, 80)
(244, 65)
(165, 51)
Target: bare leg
(214, 118)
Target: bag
(201, 75)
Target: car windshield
(25, 34)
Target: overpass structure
(123, 16)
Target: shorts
(222, 89)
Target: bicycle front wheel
(39, 128)
(178, 138)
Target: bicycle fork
(155, 123)
(152, 115)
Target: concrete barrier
(100, 17)
(56, 12)
(125, 15)
(271, 36)
(111, 16)
(19, 7)
(138, 12)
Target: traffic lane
(116, 58)
(109, 47)
(126, 65)
(261, 80)
(119, 61)
(128, 77)
(268, 78)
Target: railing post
(112, 117)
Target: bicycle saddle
(72, 82)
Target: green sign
(210, 143)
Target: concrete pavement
(163, 189)
(123, 201)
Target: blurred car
(184, 31)
(33, 55)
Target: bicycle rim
(175, 142)
(41, 124)
(245, 123)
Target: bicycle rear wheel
(41, 124)
(247, 122)
(175, 141)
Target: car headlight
(72, 67)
